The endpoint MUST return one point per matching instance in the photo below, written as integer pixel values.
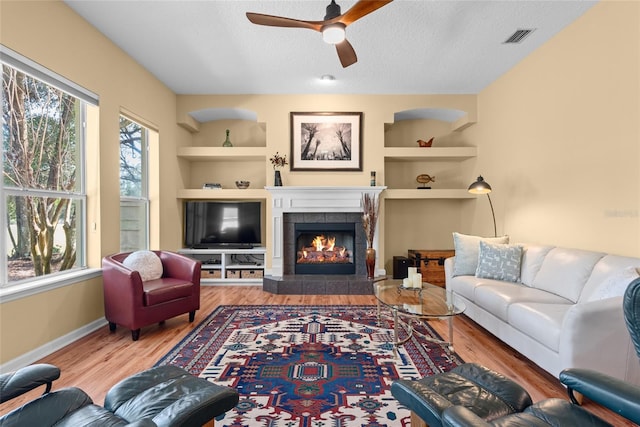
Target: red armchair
(132, 303)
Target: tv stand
(229, 264)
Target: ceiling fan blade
(279, 21)
(360, 9)
(346, 53)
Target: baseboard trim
(52, 346)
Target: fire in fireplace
(325, 248)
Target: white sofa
(560, 314)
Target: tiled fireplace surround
(316, 204)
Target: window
(43, 190)
(134, 193)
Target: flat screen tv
(220, 224)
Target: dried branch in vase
(278, 161)
(370, 210)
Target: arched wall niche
(442, 124)
(444, 114)
(210, 114)
(457, 120)
(194, 120)
(209, 161)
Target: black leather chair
(490, 394)
(482, 402)
(160, 396)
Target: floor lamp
(482, 187)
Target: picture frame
(326, 141)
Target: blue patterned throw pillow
(500, 262)
(467, 248)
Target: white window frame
(144, 199)
(33, 285)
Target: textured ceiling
(406, 47)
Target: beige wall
(53, 35)
(418, 224)
(29, 323)
(559, 138)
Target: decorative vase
(277, 180)
(227, 141)
(370, 260)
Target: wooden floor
(99, 360)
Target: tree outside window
(134, 199)
(42, 168)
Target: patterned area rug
(308, 366)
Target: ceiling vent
(518, 36)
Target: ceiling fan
(332, 28)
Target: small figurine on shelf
(424, 179)
(227, 141)
(423, 143)
(278, 161)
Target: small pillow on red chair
(147, 263)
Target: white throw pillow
(147, 263)
(499, 262)
(615, 285)
(467, 249)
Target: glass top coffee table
(410, 306)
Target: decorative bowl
(243, 185)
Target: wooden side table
(431, 264)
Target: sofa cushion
(564, 272)
(615, 284)
(147, 263)
(540, 321)
(167, 289)
(532, 257)
(607, 266)
(499, 261)
(467, 249)
(497, 299)
(466, 285)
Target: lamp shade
(480, 187)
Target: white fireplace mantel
(311, 199)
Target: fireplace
(299, 232)
(327, 248)
(331, 207)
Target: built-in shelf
(226, 266)
(414, 154)
(231, 194)
(407, 194)
(417, 155)
(206, 154)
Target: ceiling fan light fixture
(334, 33)
(333, 27)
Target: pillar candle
(406, 283)
(411, 271)
(417, 280)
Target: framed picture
(326, 141)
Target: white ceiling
(406, 47)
